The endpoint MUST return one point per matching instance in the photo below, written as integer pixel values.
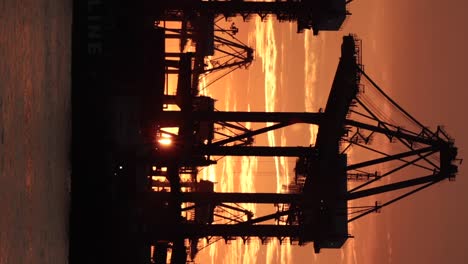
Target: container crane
(319, 210)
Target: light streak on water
(265, 46)
(266, 51)
(310, 81)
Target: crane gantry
(318, 210)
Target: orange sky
(415, 52)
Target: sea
(35, 130)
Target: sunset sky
(415, 50)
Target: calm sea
(35, 130)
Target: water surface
(35, 125)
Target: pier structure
(318, 15)
(136, 186)
(198, 24)
(319, 208)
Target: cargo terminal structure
(128, 165)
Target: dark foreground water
(35, 130)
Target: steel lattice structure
(318, 211)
